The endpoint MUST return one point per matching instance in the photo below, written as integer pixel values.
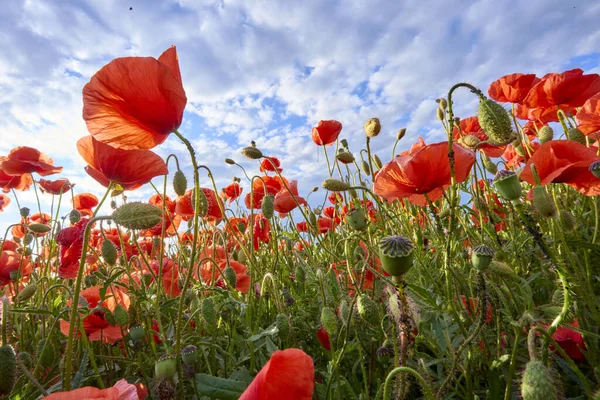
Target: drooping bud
(400, 134)
(229, 161)
(208, 312)
(368, 310)
(481, 257)
(545, 134)
(27, 239)
(121, 315)
(109, 252)
(8, 369)
(27, 292)
(189, 355)
(576, 135)
(179, 183)
(440, 114)
(372, 127)
(165, 367)
(443, 103)
(396, 253)
(137, 215)
(567, 220)
(39, 228)
(537, 382)
(230, 276)
(507, 184)
(335, 185)
(46, 353)
(74, 217)
(252, 152)
(357, 219)
(345, 157)
(329, 320)
(267, 206)
(365, 167)
(377, 161)
(488, 164)
(595, 168)
(494, 121)
(543, 203)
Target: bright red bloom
(261, 230)
(514, 159)
(326, 224)
(135, 102)
(564, 161)
(242, 282)
(122, 390)
(425, 171)
(335, 198)
(512, 88)
(271, 164)
(289, 375)
(169, 220)
(84, 202)
(18, 182)
(169, 276)
(470, 127)
(472, 307)
(4, 201)
(323, 338)
(261, 187)
(157, 200)
(232, 192)
(302, 226)
(570, 340)
(589, 116)
(184, 205)
(287, 200)
(326, 132)
(55, 187)
(11, 261)
(71, 247)
(129, 168)
(26, 160)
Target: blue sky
(269, 70)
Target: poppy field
(463, 269)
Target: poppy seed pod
(137, 215)
(576, 135)
(335, 185)
(595, 168)
(494, 121)
(481, 257)
(385, 352)
(137, 332)
(24, 211)
(357, 219)
(189, 355)
(537, 382)
(508, 185)
(8, 369)
(165, 367)
(545, 134)
(396, 253)
(372, 127)
(400, 134)
(543, 203)
(252, 152)
(179, 183)
(345, 157)
(267, 206)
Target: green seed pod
(230, 276)
(368, 310)
(372, 127)
(567, 220)
(121, 315)
(8, 369)
(137, 332)
(494, 121)
(179, 183)
(537, 383)
(481, 257)
(543, 203)
(208, 312)
(545, 134)
(576, 135)
(396, 253)
(282, 323)
(345, 157)
(46, 353)
(39, 228)
(137, 215)
(365, 167)
(335, 185)
(312, 219)
(252, 152)
(595, 168)
(329, 321)
(377, 161)
(385, 352)
(267, 206)
(189, 355)
(165, 367)
(508, 185)
(488, 164)
(27, 239)
(27, 292)
(109, 252)
(357, 219)
(24, 211)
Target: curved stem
(427, 392)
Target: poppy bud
(440, 114)
(323, 338)
(470, 141)
(481, 257)
(229, 161)
(242, 256)
(344, 143)
(329, 320)
(113, 205)
(27, 239)
(208, 313)
(252, 152)
(24, 211)
(508, 185)
(179, 183)
(189, 355)
(137, 215)
(283, 326)
(494, 121)
(335, 185)
(502, 269)
(121, 315)
(365, 167)
(359, 253)
(230, 276)
(443, 103)
(267, 206)
(345, 157)
(537, 382)
(109, 252)
(8, 369)
(27, 292)
(165, 367)
(576, 135)
(46, 353)
(343, 311)
(545, 134)
(488, 164)
(377, 161)
(372, 127)
(595, 169)
(368, 310)
(25, 358)
(396, 253)
(91, 280)
(26, 251)
(518, 147)
(567, 220)
(543, 203)
(109, 317)
(39, 228)
(400, 134)
(137, 332)
(357, 219)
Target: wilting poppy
(270, 164)
(242, 282)
(18, 182)
(424, 172)
(470, 127)
(55, 187)
(95, 325)
(289, 374)
(4, 201)
(261, 230)
(70, 240)
(326, 132)
(184, 205)
(26, 160)
(11, 261)
(589, 116)
(135, 102)
(564, 161)
(287, 200)
(512, 88)
(232, 192)
(323, 338)
(129, 168)
(122, 390)
(84, 202)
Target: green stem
(427, 392)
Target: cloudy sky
(268, 71)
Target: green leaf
(584, 245)
(219, 388)
(270, 331)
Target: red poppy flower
(326, 132)
(335, 198)
(26, 160)
(261, 187)
(11, 261)
(570, 340)
(232, 192)
(512, 88)
(589, 116)
(470, 127)
(426, 171)
(157, 200)
(18, 182)
(323, 338)
(564, 161)
(287, 200)
(84, 202)
(326, 224)
(289, 375)
(242, 282)
(135, 102)
(4, 201)
(472, 307)
(122, 390)
(184, 205)
(55, 187)
(238, 225)
(514, 159)
(129, 168)
(302, 226)
(270, 164)
(95, 325)
(261, 230)
(169, 276)
(71, 246)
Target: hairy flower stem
(427, 392)
(403, 336)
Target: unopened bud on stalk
(252, 152)
(488, 164)
(39, 228)
(567, 220)
(537, 382)
(24, 211)
(545, 134)
(443, 103)
(345, 157)
(315, 188)
(440, 114)
(470, 141)
(109, 252)
(179, 183)
(372, 127)
(368, 310)
(137, 215)
(329, 320)
(365, 167)
(74, 216)
(494, 121)
(543, 203)
(335, 185)
(576, 135)
(229, 161)
(267, 206)
(377, 161)
(344, 143)
(400, 134)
